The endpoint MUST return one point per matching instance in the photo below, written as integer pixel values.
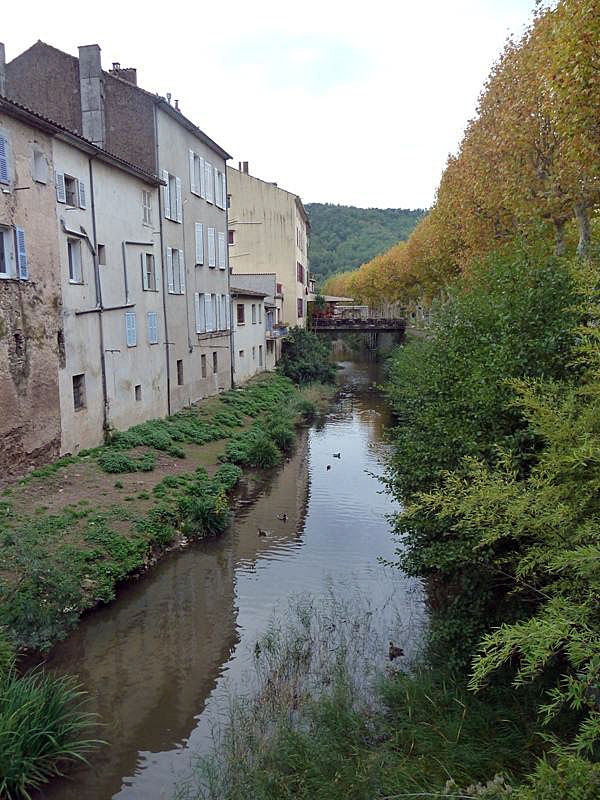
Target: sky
(340, 102)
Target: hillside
(344, 237)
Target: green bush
(115, 462)
(43, 727)
(205, 515)
(306, 409)
(305, 358)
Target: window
(70, 191)
(130, 329)
(241, 354)
(175, 271)
(4, 171)
(138, 392)
(253, 313)
(172, 197)
(148, 272)
(78, 392)
(197, 175)
(300, 307)
(222, 251)
(211, 248)
(199, 306)
(260, 355)
(7, 253)
(253, 353)
(260, 313)
(146, 207)
(40, 167)
(180, 372)
(220, 196)
(224, 312)
(215, 362)
(300, 272)
(152, 327)
(240, 314)
(75, 268)
(228, 201)
(230, 237)
(102, 255)
(203, 365)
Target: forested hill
(344, 237)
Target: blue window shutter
(130, 329)
(22, 265)
(4, 177)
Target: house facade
(249, 333)
(190, 219)
(275, 330)
(268, 232)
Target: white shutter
(215, 181)
(170, 281)
(228, 312)
(130, 329)
(152, 327)
(224, 312)
(179, 208)
(224, 190)
(199, 243)
(215, 312)
(181, 273)
(144, 272)
(208, 312)
(200, 312)
(61, 191)
(81, 194)
(210, 185)
(211, 247)
(4, 175)
(22, 265)
(202, 179)
(193, 186)
(166, 194)
(221, 251)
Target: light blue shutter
(193, 187)
(81, 194)
(202, 179)
(61, 190)
(4, 177)
(22, 265)
(130, 329)
(152, 327)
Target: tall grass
(43, 728)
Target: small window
(300, 307)
(149, 272)
(71, 191)
(300, 271)
(75, 269)
(78, 392)
(240, 313)
(260, 355)
(180, 372)
(173, 210)
(7, 253)
(228, 201)
(254, 313)
(130, 328)
(253, 353)
(241, 353)
(102, 255)
(152, 327)
(260, 314)
(146, 207)
(203, 365)
(230, 237)
(215, 362)
(40, 167)
(138, 392)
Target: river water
(160, 662)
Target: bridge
(358, 325)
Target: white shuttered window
(200, 312)
(222, 251)
(208, 313)
(211, 248)
(152, 327)
(130, 329)
(199, 243)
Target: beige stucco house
(268, 232)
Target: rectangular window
(215, 362)
(4, 171)
(152, 327)
(240, 314)
(260, 313)
(222, 251)
(230, 237)
(197, 176)
(130, 329)
(102, 255)
(71, 191)
(75, 267)
(211, 248)
(253, 353)
(203, 365)
(138, 392)
(146, 207)
(7, 252)
(40, 167)
(175, 271)
(300, 307)
(241, 354)
(180, 372)
(253, 313)
(260, 355)
(148, 272)
(172, 197)
(78, 392)
(300, 271)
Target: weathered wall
(248, 338)
(29, 311)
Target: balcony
(277, 331)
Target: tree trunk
(559, 237)
(583, 223)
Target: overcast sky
(341, 102)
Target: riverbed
(161, 661)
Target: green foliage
(344, 237)
(49, 469)
(43, 727)
(115, 462)
(306, 408)
(305, 358)
(253, 448)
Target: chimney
(245, 167)
(91, 84)
(2, 70)
(128, 74)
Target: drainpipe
(229, 299)
(163, 265)
(98, 285)
(231, 339)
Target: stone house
(110, 110)
(268, 232)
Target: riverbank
(74, 530)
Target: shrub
(205, 515)
(305, 358)
(306, 408)
(115, 462)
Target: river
(161, 660)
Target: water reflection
(160, 661)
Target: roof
(31, 117)
(247, 292)
(331, 298)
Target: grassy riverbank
(72, 531)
